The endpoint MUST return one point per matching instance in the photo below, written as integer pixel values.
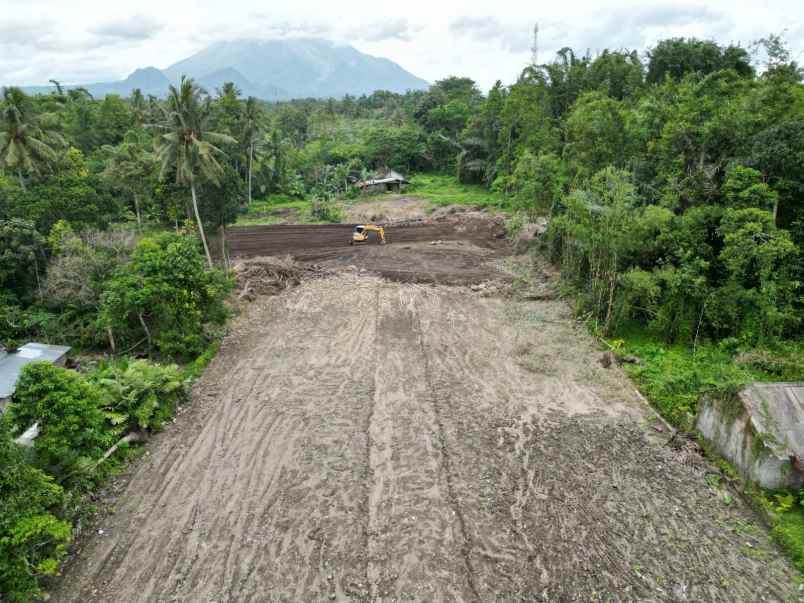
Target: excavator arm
(360, 235)
(378, 229)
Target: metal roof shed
(11, 365)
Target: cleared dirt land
(359, 438)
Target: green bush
(164, 296)
(789, 532)
(21, 257)
(32, 540)
(324, 210)
(72, 426)
(674, 377)
(139, 394)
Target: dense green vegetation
(673, 184)
(81, 416)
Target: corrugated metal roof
(12, 364)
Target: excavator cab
(362, 231)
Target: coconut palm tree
(250, 132)
(129, 166)
(25, 140)
(138, 105)
(187, 147)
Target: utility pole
(534, 57)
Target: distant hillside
(271, 70)
(299, 68)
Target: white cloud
(386, 29)
(136, 27)
(91, 40)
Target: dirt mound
(271, 275)
(529, 233)
(459, 222)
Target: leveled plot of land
(366, 440)
(316, 241)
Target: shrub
(76, 278)
(72, 429)
(744, 189)
(32, 540)
(758, 258)
(164, 296)
(81, 265)
(140, 394)
(325, 210)
(537, 182)
(21, 248)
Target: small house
(387, 181)
(12, 363)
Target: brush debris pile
(271, 275)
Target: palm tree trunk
(250, 163)
(22, 181)
(200, 225)
(137, 211)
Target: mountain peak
(147, 77)
(298, 67)
(272, 69)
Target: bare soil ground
(360, 438)
(309, 242)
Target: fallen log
(134, 436)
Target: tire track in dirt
(362, 440)
(368, 476)
(413, 553)
(436, 398)
(246, 491)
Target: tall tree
(138, 106)
(226, 109)
(250, 132)
(129, 168)
(676, 57)
(187, 147)
(26, 143)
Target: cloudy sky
(84, 41)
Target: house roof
(385, 177)
(382, 181)
(11, 365)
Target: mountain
(211, 82)
(298, 68)
(270, 70)
(149, 80)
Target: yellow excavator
(361, 233)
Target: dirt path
(357, 439)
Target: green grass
(442, 190)
(789, 533)
(257, 212)
(674, 377)
(439, 190)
